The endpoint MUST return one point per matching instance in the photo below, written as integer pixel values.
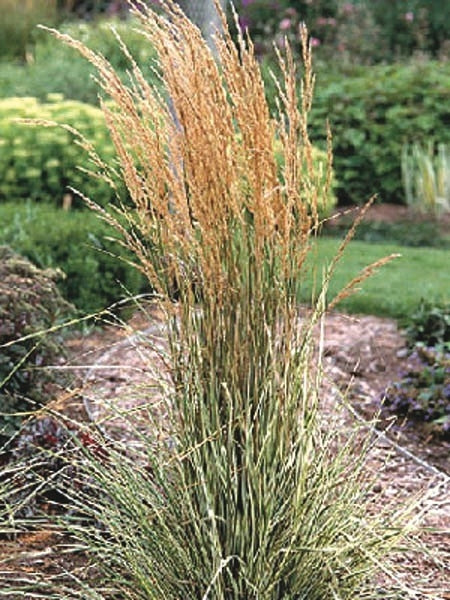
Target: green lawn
(397, 288)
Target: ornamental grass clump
(426, 178)
(252, 492)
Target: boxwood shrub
(373, 111)
(75, 242)
(39, 163)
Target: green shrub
(18, 25)
(76, 243)
(59, 69)
(429, 324)
(30, 303)
(65, 75)
(423, 392)
(408, 26)
(39, 163)
(99, 36)
(372, 114)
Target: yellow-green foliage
(39, 163)
(426, 178)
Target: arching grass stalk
(259, 497)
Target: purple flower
(314, 42)
(244, 23)
(409, 17)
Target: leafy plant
(423, 394)
(429, 325)
(426, 178)
(30, 303)
(79, 245)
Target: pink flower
(314, 42)
(348, 8)
(409, 17)
(281, 42)
(285, 24)
(325, 21)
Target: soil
(362, 356)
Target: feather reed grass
(257, 496)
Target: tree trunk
(204, 14)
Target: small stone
(403, 353)
(377, 488)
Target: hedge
(372, 113)
(75, 242)
(39, 163)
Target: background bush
(372, 114)
(30, 303)
(18, 25)
(54, 67)
(76, 243)
(39, 163)
(362, 31)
